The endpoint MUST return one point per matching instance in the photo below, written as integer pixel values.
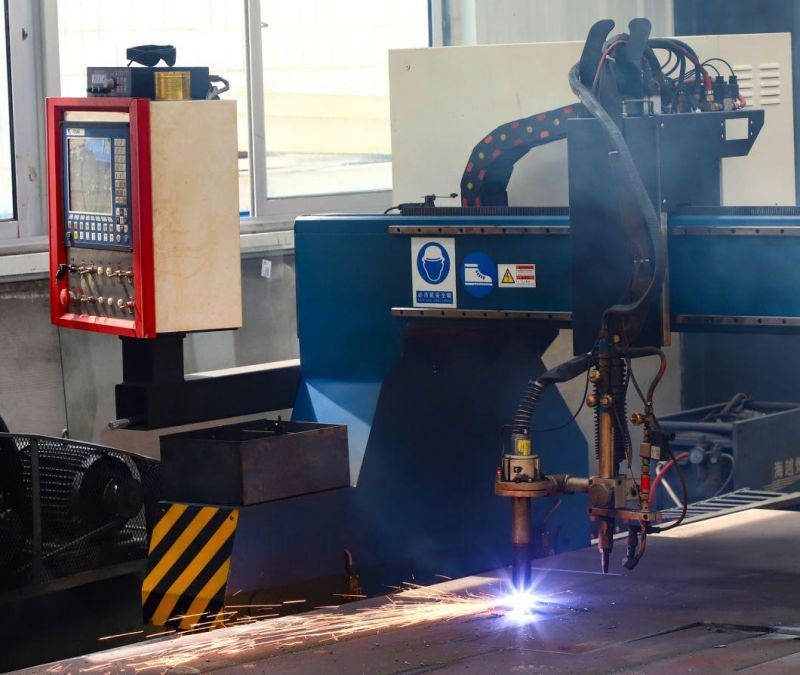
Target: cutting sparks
(413, 607)
(521, 604)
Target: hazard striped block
(188, 565)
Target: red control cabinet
(143, 215)
(77, 300)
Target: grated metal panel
(67, 507)
(739, 500)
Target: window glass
(326, 91)
(7, 209)
(205, 32)
(89, 175)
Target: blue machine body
(425, 391)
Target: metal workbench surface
(713, 596)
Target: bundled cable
(630, 175)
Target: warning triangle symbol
(507, 277)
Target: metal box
(145, 239)
(254, 462)
(762, 443)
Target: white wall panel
(444, 100)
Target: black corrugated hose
(535, 388)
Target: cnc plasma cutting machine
(424, 332)
(420, 329)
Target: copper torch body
(520, 542)
(605, 526)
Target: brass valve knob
(637, 419)
(125, 305)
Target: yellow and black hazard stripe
(188, 565)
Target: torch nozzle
(605, 541)
(520, 543)
(520, 567)
(605, 556)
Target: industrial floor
(716, 596)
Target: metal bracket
(626, 514)
(456, 230)
(413, 313)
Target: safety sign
(478, 274)
(433, 277)
(516, 275)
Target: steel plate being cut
(715, 596)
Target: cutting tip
(604, 559)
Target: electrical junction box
(144, 215)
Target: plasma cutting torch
(521, 477)
(615, 78)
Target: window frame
(26, 51)
(268, 211)
(35, 59)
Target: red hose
(602, 61)
(661, 474)
(699, 67)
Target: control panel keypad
(101, 230)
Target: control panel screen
(90, 172)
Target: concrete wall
(31, 390)
(53, 378)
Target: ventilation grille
(769, 83)
(744, 73)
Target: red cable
(603, 56)
(742, 102)
(698, 66)
(661, 474)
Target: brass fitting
(521, 468)
(637, 419)
(606, 401)
(521, 444)
(591, 400)
(594, 375)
